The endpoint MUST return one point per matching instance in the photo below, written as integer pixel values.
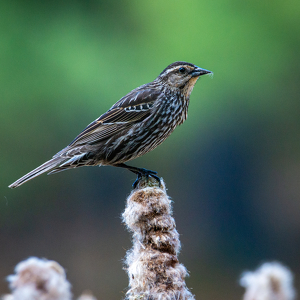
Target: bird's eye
(181, 70)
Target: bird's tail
(47, 166)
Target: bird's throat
(189, 87)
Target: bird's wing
(131, 109)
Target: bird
(133, 126)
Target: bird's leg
(140, 173)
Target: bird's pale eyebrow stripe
(171, 70)
(176, 69)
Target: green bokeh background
(233, 169)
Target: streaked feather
(118, 117)
(45, 167)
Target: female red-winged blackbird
(135, 125)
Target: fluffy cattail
(271, 281)
(152, 264)
(87, 295)
(38, 279)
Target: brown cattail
(271, 281)
(38, 279)
(152, 264)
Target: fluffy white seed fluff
(87, 295)
(271, 281)
(38, 279)
(152, 264)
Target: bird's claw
(146, 173)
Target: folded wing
(131, 109)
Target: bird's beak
(198, 72)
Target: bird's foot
(145, 173)
(141, 174)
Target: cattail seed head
(271, 281)
(39, 279)
(152, 264)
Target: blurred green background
(233, 169)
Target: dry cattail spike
(39, 279)
(152, 264)
(271, 281)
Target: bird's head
(181, 75)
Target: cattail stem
(152, 264)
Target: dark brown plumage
(135, 125)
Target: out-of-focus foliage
(233, 169)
